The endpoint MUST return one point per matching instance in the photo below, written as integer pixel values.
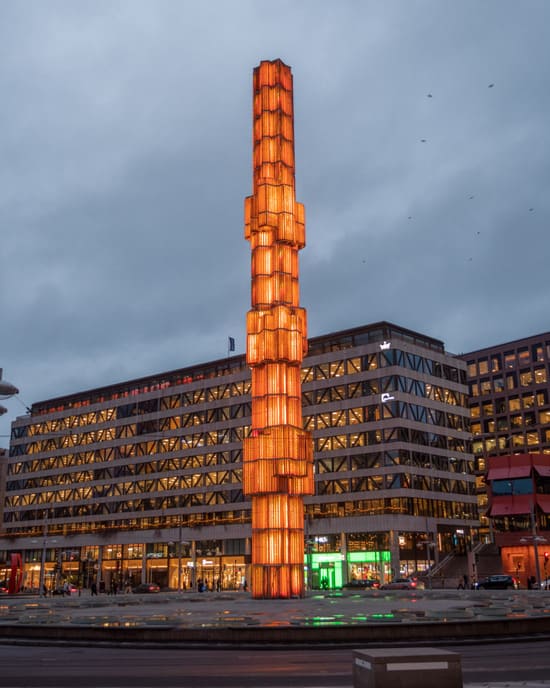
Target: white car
(403, 584)
(545, 584)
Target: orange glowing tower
(278, 454)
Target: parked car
(146, 587)
(545, 584)
(498, 582)
(403, 584)
(359, 584)
(3, 587)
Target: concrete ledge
(258, 635)
(399, 667)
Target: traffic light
(546, 555)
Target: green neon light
(324, 557)
(369, 557)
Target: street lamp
(43, 556)
(7, 390)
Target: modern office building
(142, 480)
(518, 487)
(509, 404)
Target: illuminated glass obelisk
(278, 454)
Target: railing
(436, 568)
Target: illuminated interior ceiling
(278, 454)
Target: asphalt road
(109, 667)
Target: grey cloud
(126, 155)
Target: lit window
(483, 366)
(526, 378)
(540, 375)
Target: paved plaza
(238, 609)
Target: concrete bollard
(406, 667)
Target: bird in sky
(470, 197)
(490, 86)
(423, 140)
(531, 210)
(429, 95)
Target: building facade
(518, 488)
(142, 480)
(509, 404)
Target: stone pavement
(238, 609)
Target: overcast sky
(422, 158)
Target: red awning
(542, 465)
(544, 502)
(520, 466)
(498, 473)
(511, 505)
(510, 466)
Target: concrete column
(99, 565)
(344, 551)
(144, 564)
(394, 553)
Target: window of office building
(532, 438)
(490, 445)
(472, 369)
(528, 401)
(483, 366)
(475, 411)
(518, 441)
(485, 386)
(540, 376)
(503, 442)
(509, 359)
(544, 417)
(514, 404)
(526, 378)
(538, 353)
(496, 364)
(529, 418)
(523, 356)
(498, 383)
(502, 424)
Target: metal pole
(194, 568)
(428, 548)
(535, 545)
(179, 555)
